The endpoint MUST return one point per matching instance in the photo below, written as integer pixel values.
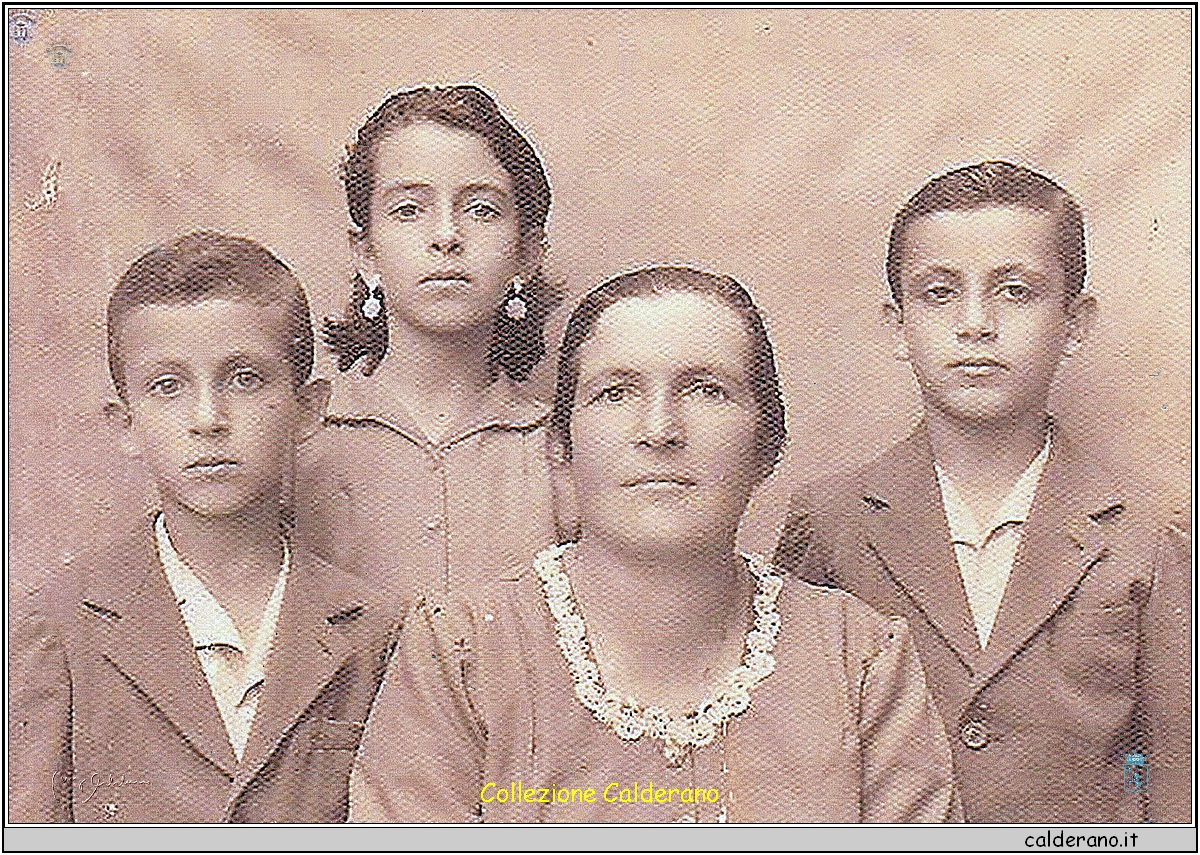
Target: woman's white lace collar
(629, 719)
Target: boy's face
(985, 317)
(211, 407)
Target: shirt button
(433, 524)
(973, 734)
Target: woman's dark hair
(995, 182)
(517, 344)
(764, 382)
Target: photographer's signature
(98, 780)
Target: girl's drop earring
(373, 304)
(515, 307)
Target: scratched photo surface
(773, 147)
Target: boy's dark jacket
(112, 720)
(1090, 657)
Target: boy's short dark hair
(204, 265)
(995, 182)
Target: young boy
(205, 669)
(1051, 613)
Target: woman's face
(444, 233)
(663, 431)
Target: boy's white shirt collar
(209, 624)
(964, 527)
(986, 556)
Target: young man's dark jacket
(111, 718)
(1090, 657)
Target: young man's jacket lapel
(1088, 659)
(128, 608)
(1061, 543)
(905, 531)
(905, 527)
(319, 627)
(112, 719)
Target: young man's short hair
(995, 182)
(205, 265)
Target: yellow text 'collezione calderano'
(613, 793)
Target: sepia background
(771, 145)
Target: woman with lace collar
(647, 656)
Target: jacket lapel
(318, 629)
(1062, 540)
(905, 524)
(128, 607)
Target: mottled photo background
(771, 145)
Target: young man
(204, 669)
(1051, 612)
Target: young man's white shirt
(234, 670)
(986, 552)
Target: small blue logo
(1137, 778)
(58, 55)
(21, 25)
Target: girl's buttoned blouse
(377, 497)
(843, 731)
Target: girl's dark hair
(764, 382)
(517, 344)
(995, 182)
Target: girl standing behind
(432, 455)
